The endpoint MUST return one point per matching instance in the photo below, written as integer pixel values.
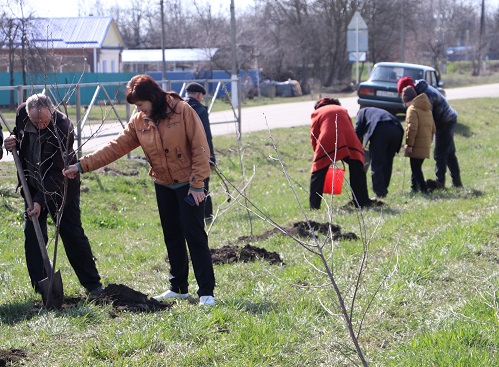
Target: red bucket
(337, 176)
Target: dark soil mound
(304, 229)
(11, 355)
(230, 254)
(124, 298)
(121, 297)
(373, 203)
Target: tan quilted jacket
(419, 128)
(176, 148)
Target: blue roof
(69, 33)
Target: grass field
(427, 295)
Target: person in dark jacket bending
(445, 118)
(195, 95)
(44, 137)
(382, 134)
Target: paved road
(298, 113)
(283, 115)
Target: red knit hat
(404, 82)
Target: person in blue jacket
(381, 133)
(445, 118)
(195, 95)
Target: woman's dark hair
(325, 101)
(145, 88)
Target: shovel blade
(52, 294)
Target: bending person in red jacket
(334, 139)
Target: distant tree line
(306, 39)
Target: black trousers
(383, 145)
(357, 182)
(184, 223)
(444, 154)
(75, 242)
(418, 182)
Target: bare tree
(10, 29)
(384, 18)
(133, 23)
(493, 31)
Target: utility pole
(163, 73)
(481, 46)
(234, 86)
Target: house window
(104, 66)
(113, 66)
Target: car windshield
(393, 74)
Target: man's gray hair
(39, 100)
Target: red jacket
(326, 120)
(176, 149)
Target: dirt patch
(124, 298)
(304, 229)
(121, 297)
(231, 254)
(11, 355)
(373, 203)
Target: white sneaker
(206, 301)
(170, 295)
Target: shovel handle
(34, 219)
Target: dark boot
(456, 182)
(431, 184)
(440, 185)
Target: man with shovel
(43, 137)
(1, 142)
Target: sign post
(357, 43)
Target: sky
(69, 8)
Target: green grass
(435, 259)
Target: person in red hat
(404, 82)
(445, 118)
(334, 139)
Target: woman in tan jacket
(419, 132)
(174, 142)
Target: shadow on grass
(456, 193)
(256, 308)
(463, 130)
(12, 313)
